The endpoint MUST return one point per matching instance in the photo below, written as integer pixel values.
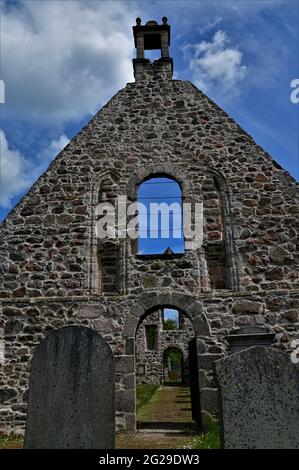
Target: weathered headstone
(249, 336)
(259, 397)
(72, 392)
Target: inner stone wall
(150, 362)
(28, 321)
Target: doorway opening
(163, 394)
(173, 366)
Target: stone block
(278, 254)
(206, 360)
(130, 422)
(124, 364)
(130, 326)
(204, 380)
(201, 325)
(129, 381)
(209, 400)
(125, 400)
(137, 311)
(130, 346)
(247, 306)
(91, 310)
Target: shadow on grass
(167, 426)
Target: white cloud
(17, 173)
(216, 64)
(62, 60)
(50, 152)
(14, 172)
(209, 25)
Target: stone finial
(164, 20)
(138, 21)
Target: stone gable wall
(46, 240)
(50, 260)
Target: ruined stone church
(240, 287)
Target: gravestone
(71, 392)
(249, 336)
(259, 400)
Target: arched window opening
(214, 230)
(151, 335)
(108, 268)
(160, 217)
(108, 252)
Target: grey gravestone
(259, 400)
(250, 336)
(72, 392)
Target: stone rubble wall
(152, 360)
(163, 126)
(28, 321)
(50, 260)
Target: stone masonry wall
(152, 360)
(50, 260)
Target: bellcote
(152, 36)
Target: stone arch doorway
(162, 329)
(162, 359)
(146, 303)
(173, 366)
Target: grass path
(165, 422)
(168, 406)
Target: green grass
(209, 439)
(144, 393)
(8, 440)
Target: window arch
(160, 217)
(106, 261)
(215, 248)
(221, 257)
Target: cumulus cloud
(48, 153)
(14, 172)
(216, 63)
(209, 25)
(62, 60)
(17, 173)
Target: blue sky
(62, 60)
(171, 314)
(155, 235)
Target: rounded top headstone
(74, 392)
